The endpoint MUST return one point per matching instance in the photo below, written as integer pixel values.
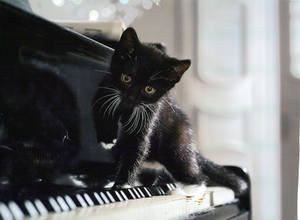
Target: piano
(29, 42)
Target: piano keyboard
(19, 208)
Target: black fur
(39, 134)
(151, 127)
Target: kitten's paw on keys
(123, 186)
(193, 192)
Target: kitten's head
(143, 74)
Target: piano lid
(32, 44)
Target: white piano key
(161, 190)
(131, 193)
(88, 199)
(173, 185)
(124, 195)
(81, 200)
(169, 186)
(103, 196)
(54, 204)
(31, 209)
(62, 203)
(40, 207)
(98, 198)
(110, 196)
(136, 193)
(147, 191)
(158, 190)
(5, 213)
(70, 202)
(141, 193)
(119, 196)
(15, 210)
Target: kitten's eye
(125, 78)
(150, 90)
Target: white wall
(237, 124)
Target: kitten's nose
(131, 98)
(128, 101)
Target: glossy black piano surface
(41, 50)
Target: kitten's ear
(129, 40)
(178, 69)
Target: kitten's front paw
(193, 192)
(121, 186)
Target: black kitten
(136, 108)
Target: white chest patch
(109, 146)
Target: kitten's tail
(223, 176)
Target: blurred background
(242, 91)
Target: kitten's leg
(182, 164)
(132, 154)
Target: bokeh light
(58, 3)
(124, 2)
(93, 15)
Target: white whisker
(142, 119)
(109, 106)
(134, 116)
(137, 122)
(169, 105)
(107, 101)
(130, 118)
(102, 97)
(116, 105)
(112, 107)
(102, 71)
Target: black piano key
(75, 200)
(40, 207)
(166, 188)
(98, 198)
(46, 204)
(88, 199)
(118, 196)
(104, 197)
(129, 193)
(173, 185)
(81, 201)
(31, 209)
(155, 191)
(21, 205)
(5, 213)
(136, 193)
(62, 203)
(91, 199)
(70, 202)
(162, 191)
(110, 197)
(54, 205)
(146, 192)
(124, 195)
(15, 210)
(141, 193)
(170, 186)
